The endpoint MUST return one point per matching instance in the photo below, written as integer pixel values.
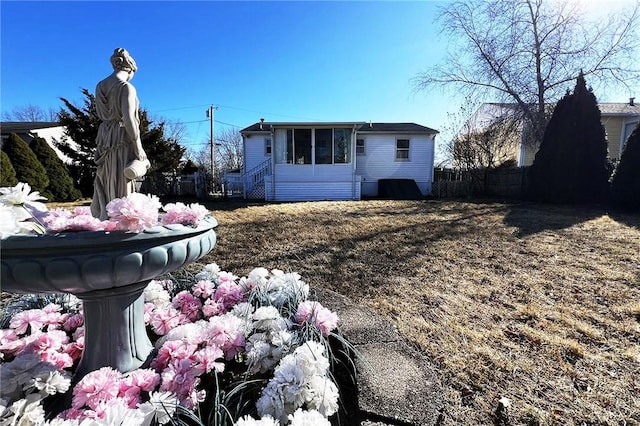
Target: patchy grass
(534, 303)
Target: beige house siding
(613, 127)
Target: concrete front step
(396, 383)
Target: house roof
(609, 109)
(24, 126)
(361, 127)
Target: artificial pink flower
(72, 322)
(74, 349)
(188, 305)
(226, 277)
(212, 307)
(34, 319)
(225, 331)
(183, 214)
(204, 289)
(207, 356)
(97, 386)
(229, 293)
(323, 318)
(163, 321)
(59, 359)
(172, 349)
(141, 380)
(134, 212)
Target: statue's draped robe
(115, 147)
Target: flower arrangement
(229, 351)
(22, 212)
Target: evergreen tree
(571, 164)
(82, 122)
(7, 172)
(61, 187)
(625, 185)
(25, 163)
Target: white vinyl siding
(254, 150)
(295, 182)
(378, 163)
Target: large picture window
(328, 146)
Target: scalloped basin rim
(91, 238)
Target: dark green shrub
(7, 172)
(25, 163)
(571, 164)
(625, 184)
(60, 186)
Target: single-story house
(27, 130)
(295, 161)
(618, 119)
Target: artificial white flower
(308, 418)
(20, 373)
(21, 195)
(25, 412)
(52, 382)
(325, 395)
(250, 421)
(156, 293)
(268, 318)
(161, 407)
(117, 412)
(9, 221)
(209, 272)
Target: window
(402, 149)
(360, 147)
(323, 146)
(296, 146)
(302, 146)
(267, 146)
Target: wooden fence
(509, 183)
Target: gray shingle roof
(363, 127)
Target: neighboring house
(332, 161)
(618, 119)
(48, 130)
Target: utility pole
(213, 144)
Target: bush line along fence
(509, 183)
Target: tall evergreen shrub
(7, 172)
(625, 184)
(60, 186)
(28, 168)
(571, 164)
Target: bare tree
(529, 52)
(229, 149)
(30, 113)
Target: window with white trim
(402, 149)
(360, 150)
(267, 146)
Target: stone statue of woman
(119, 154)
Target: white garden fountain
(108, 271)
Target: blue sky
(283, 61)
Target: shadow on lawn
(533, 218)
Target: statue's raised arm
(119, 154)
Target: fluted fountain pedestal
(108, 271)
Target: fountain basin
(83, 262)
(108, 271)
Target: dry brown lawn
(537, 304)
